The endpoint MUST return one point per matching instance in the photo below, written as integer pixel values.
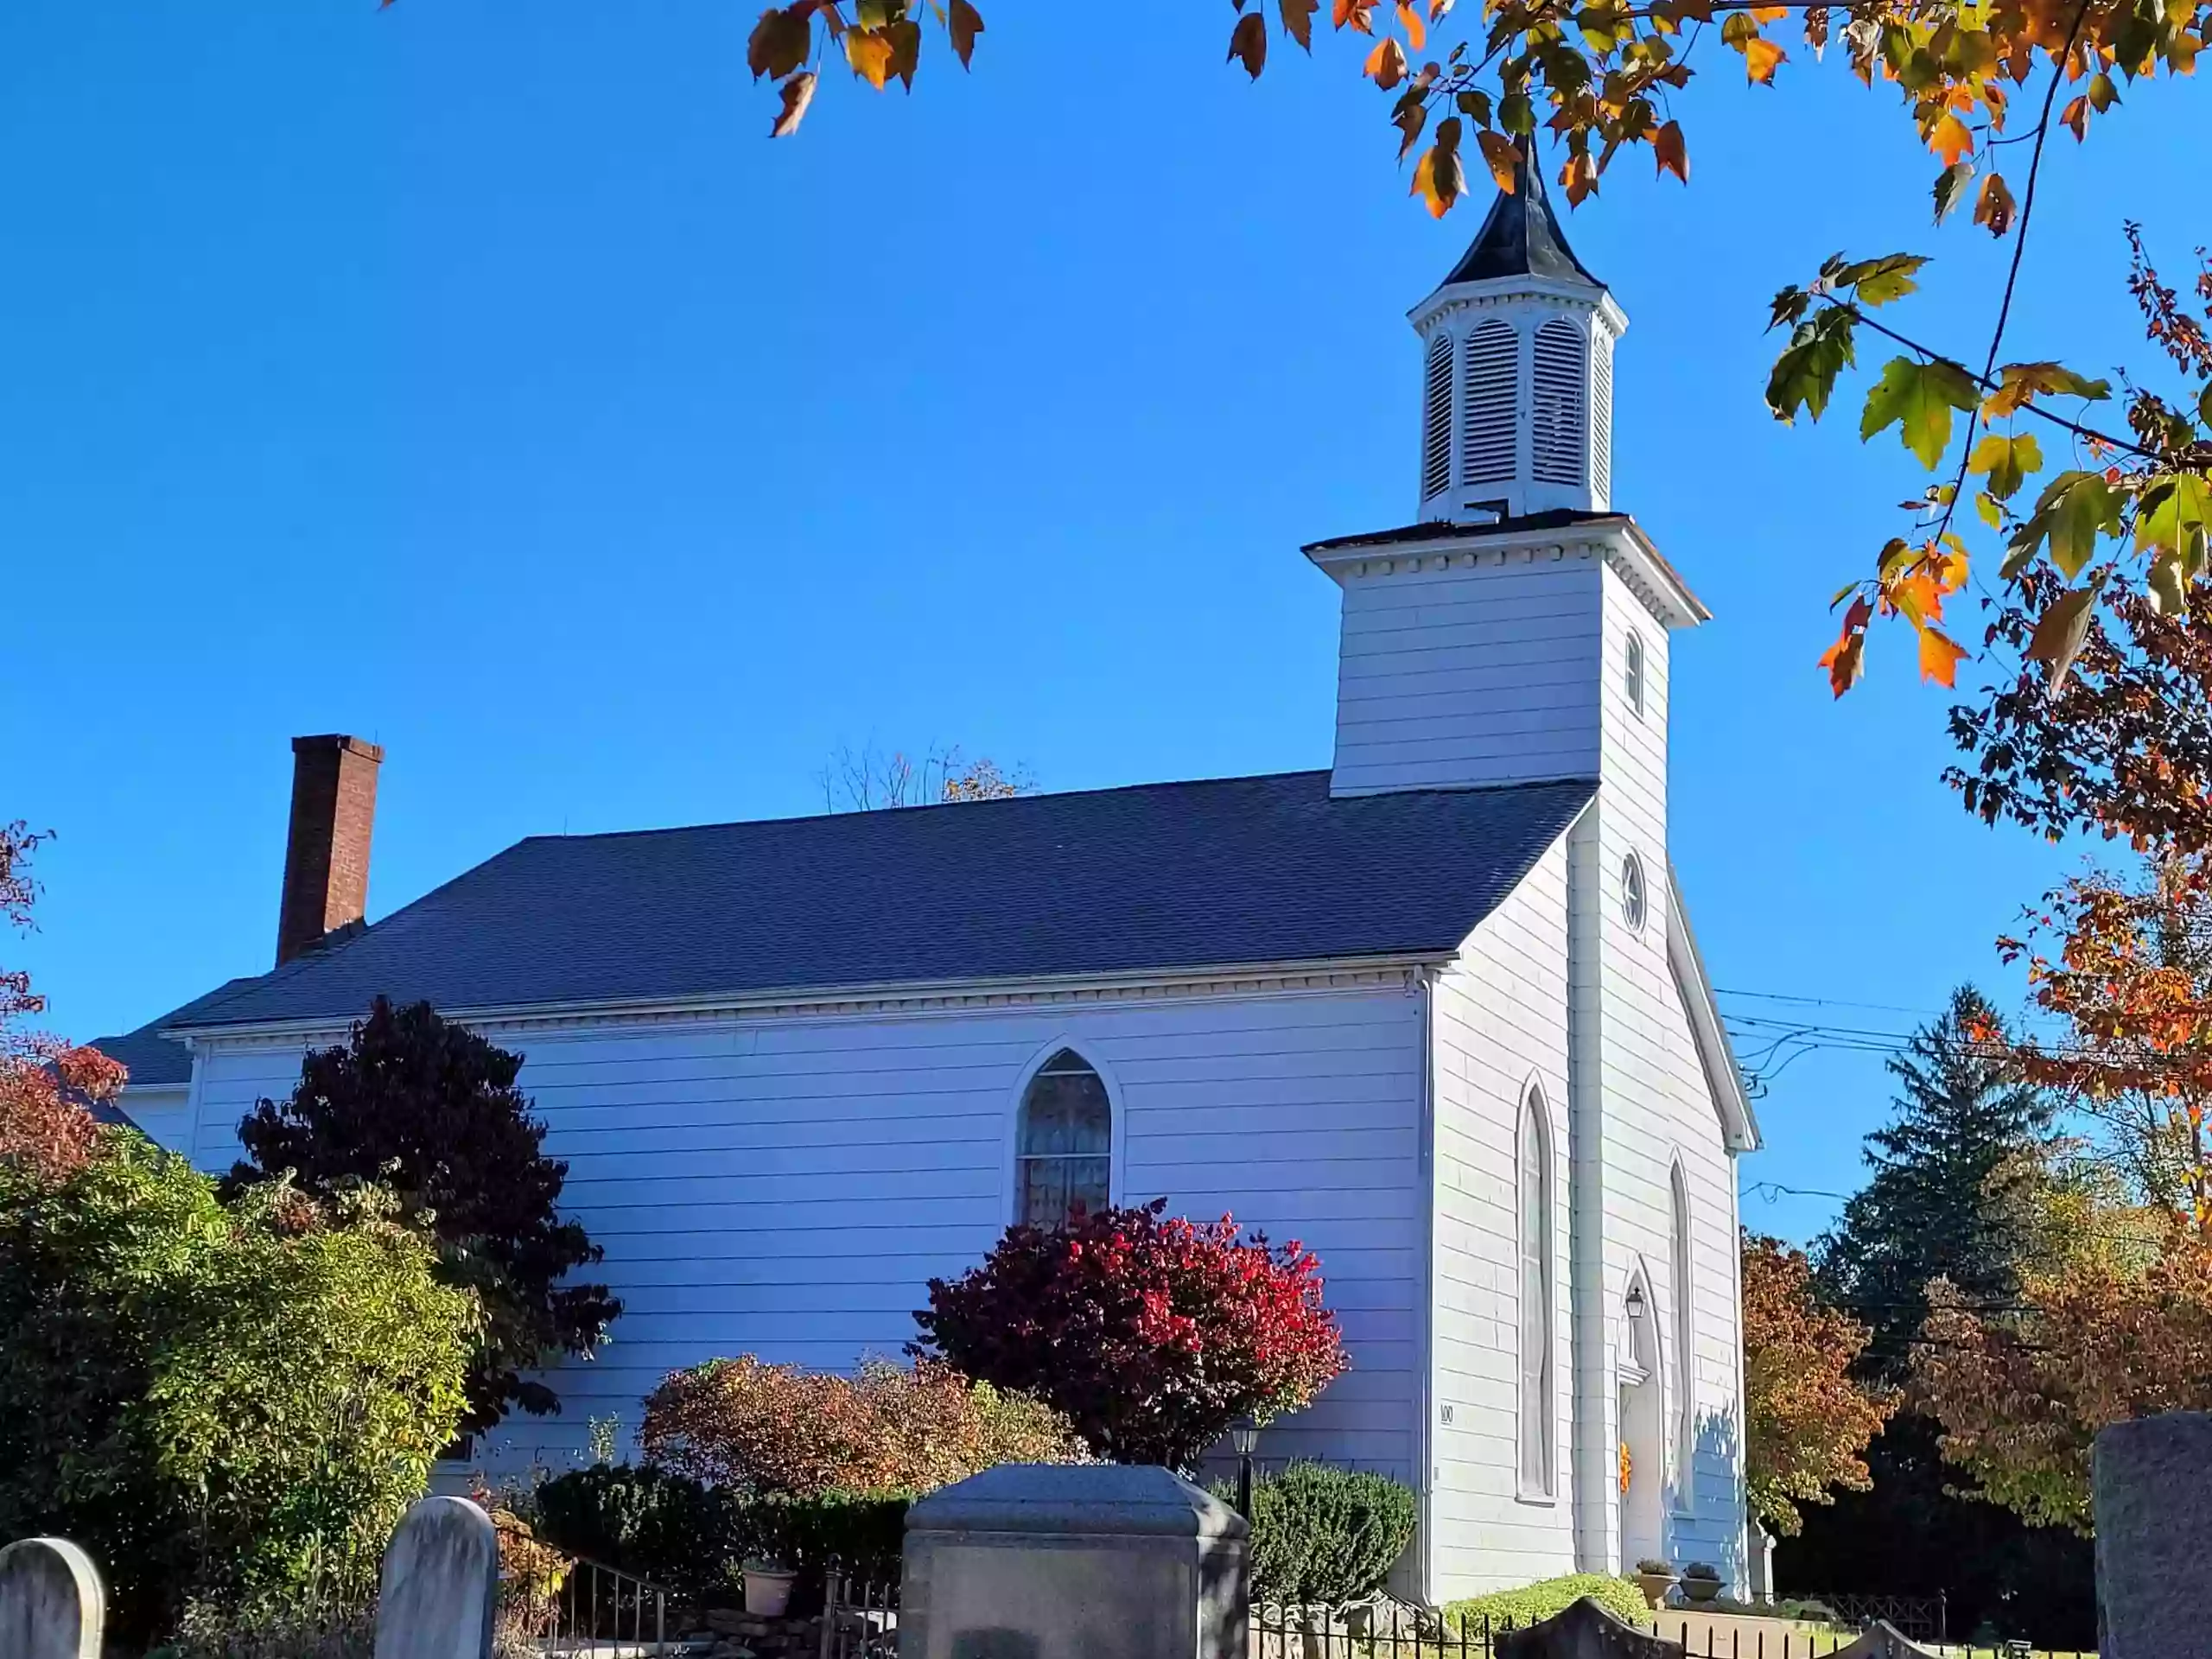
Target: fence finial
(441, 1586)
(52, 1605)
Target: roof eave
(964, 990)
(1716, 1054)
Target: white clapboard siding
(162, 1113)
(1470, 674)
(788, 1186)
(1499, 1025)
(1660, 1109)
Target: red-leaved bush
(45, 1084)
(1152, 1334)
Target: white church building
(1436, 1011)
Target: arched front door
(1642, 1418)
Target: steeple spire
(1517, 370)
(1521, 237)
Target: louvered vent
(1436, 421)
(1559, 418)
(1601, 423)
(1486, 421)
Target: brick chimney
(326, 853)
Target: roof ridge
(925, 806)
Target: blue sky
(483, 382)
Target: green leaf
(2008, 460)
(1877, 282)
(1917, 398)
(1986, 504)
(1805, 374)
(2073, 511)
(2171, 511)
(1791, 304)
(2204, 404)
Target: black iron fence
(1390, 1631)
(860, 1616)
(595, 1613)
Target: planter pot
(768, 1591)
(1701, 1589)
(1654, 1586)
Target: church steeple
(1516, 390)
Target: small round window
(1632, 894)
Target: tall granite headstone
(2153, 1508)
(1585, 1630)
(440, 1584)
(52, 1604)
(1074, 1561)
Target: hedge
(1532, 1602)
(695, 1539)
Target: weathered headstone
(1883, 1641)
(51, 1602)
(1073, 1561)
(440, 1584)
(1584, 1630)
(2154, 1537)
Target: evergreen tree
(1967, 1129)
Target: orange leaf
(1298, 20)
(2076, 118)
(1579, 175)
(1762, 57)
(1386, 64)
(869, 52)
(1673, 157)
(798, 93)
(1993, 206)
(1438, 177)
(965, 24)
(1410, 21)
(1845, 660)
(1354, 12)
(1950, 139)
(1939, 657)
(1247, 42)
(1503, 160)
(1436, 8)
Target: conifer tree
(1966, 1128)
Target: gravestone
(52, 1605)
(2154, 1537)
(1883, 1641)
(1584, 1630)
(1073, 1561)
(441, 1584)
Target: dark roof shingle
(1231, 871)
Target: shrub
(661, 1526)
(695, 1539)
(218, 1402)
(865, 1532)
(749, 1425)
(1324, 1536)
(430, 1110)
(1653, 1565)
(1151, 1334)
(1534, 1603)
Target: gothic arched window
(1537, 1426)
(1685, 1351)
(1436, 421)
(1487, 424)
(1064, 1157)
(1560, 418)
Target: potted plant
(1654, 1579)
(768, 1588)
(1701, 1581)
